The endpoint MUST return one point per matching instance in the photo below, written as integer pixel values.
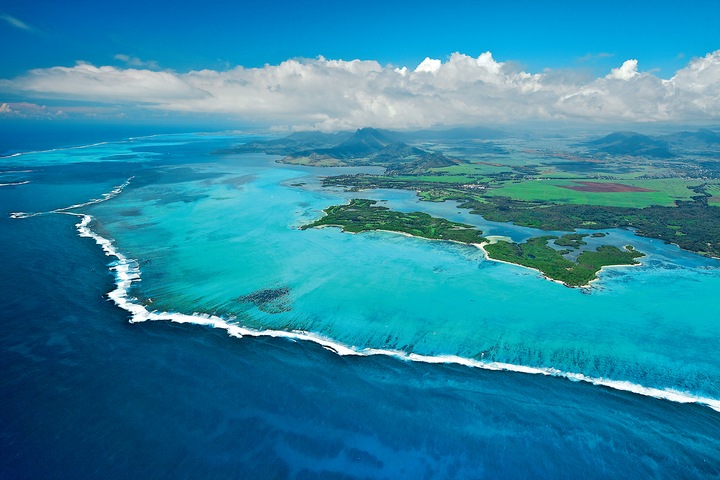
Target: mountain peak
(371, 134)
(631, 143)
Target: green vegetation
(430, 188)
(699, 224)
(665, 192)
(474, 169)
(574, 240)
(435, 178)
(535, 253)
(442, 194)
(314, 161)
(693, 225)
(406, 182)
(713, 190)
(363, 215)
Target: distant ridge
(291, 143)
(630, 143)
(703, 138)
(702, 141)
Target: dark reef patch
(269, 300)
(130, 212)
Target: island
(535, 253)
(364, 215)
(361, 215)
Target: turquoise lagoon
(209, 230)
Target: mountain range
(665, 146)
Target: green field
(668, 190)
(443, 194)
(476, 169)
(714, 191)
(459, 179)
(314, 162)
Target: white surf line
(98, 144)
(14, 184)
(127, 272)
(125, 140)
(103, 198)
(58, 149)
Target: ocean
(164, 316)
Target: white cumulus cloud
(429, 65)
(338, 94)
(87, 82)
(626, 71)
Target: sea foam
(103, 198)
(14, 184)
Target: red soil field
(605, 187)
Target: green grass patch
(574, 240)
(476, 169)
(677, 188)
(441, 195)
(552, 191)
(714, 191)
(459, 179)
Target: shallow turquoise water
(217, 228)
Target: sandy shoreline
(494, 239)
(597, 277)
(481, 246)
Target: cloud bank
(336, 94)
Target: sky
(332, 65)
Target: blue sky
(186, 34)
(567, 38)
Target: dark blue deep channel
(85, 394)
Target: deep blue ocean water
(85, 394)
